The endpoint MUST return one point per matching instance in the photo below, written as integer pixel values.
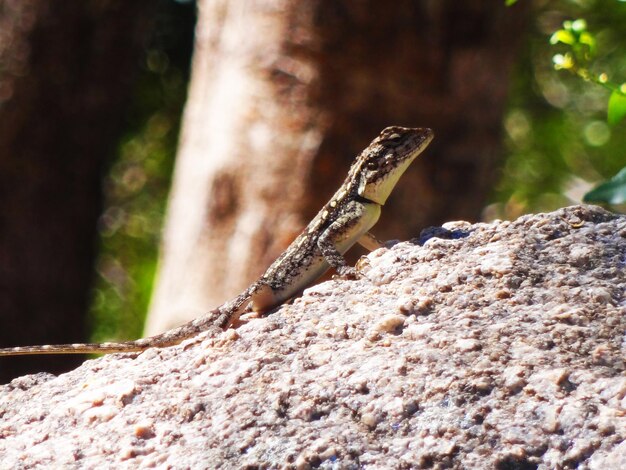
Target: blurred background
(157, 155)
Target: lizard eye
(372, 165)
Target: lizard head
(381, 165)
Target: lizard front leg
(353, 222)
(336, 259)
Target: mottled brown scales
(342, 222)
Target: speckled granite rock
(482, 346)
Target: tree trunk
(284, 94)
(65, 79)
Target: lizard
(343, 221)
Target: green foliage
(578, 60)
(575, 34)
(139, 179)
(617, 106)
(612, 191)
(556, 127)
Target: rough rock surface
(495, 345)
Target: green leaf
(508, 3)
(563, 61)
(612, 191)
(588, 40)
(566, 37)
(617, 108)
(579, 25)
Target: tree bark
(66, 73)
(285, 93)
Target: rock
(495, 345)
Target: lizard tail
(218, 320)
(75, 348)
(169, 338)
